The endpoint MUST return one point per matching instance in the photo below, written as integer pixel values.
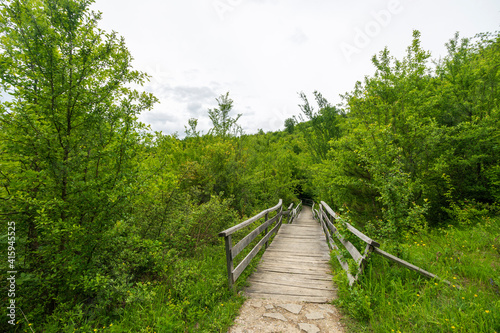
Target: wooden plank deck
(295, 266)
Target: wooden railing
(273, 223)
(294, 212)
(328, 218)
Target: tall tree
(323, 124)
(224, 125)
(68, 138)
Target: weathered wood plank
(251, 220)
(259, 287)
(252, 235)
(290, 262)
(329, 210)
(355, 231)
(297, 268)
(315, 277)
(309, 299)
(245, 262)
(362, 236)
(290, 258)
(408, 265)
(295, 282)
(295, 265)
(355, 254)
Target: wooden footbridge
(295, 266)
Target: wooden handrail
(251, 220)
(355, 231)
(295, 212)
(371, 245)
(232, 251)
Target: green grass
(391, 298)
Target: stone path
(266, 316)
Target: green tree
(290, 125)
(413, 138)
(191, 132)
(322, 126)
(68, 142)
(223, 125)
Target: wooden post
(233, 251)
(267, 214)
(323, 222)
(229, 261)
(280, 220)
(362, 262)
(289, 217)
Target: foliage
(69, 140)
(117, 226)
(191, 131)
(323, 124)
(405, 127)
(392, 298)
(224, 126)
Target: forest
(108, 226)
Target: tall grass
(391, 298)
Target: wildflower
(487, 311)
(475, 295)
(418, 295)
(453, 327)
(446, 319)
(454, 278)
(435, 283)
(463, 297)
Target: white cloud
(265, 51)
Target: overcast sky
(266, 51)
